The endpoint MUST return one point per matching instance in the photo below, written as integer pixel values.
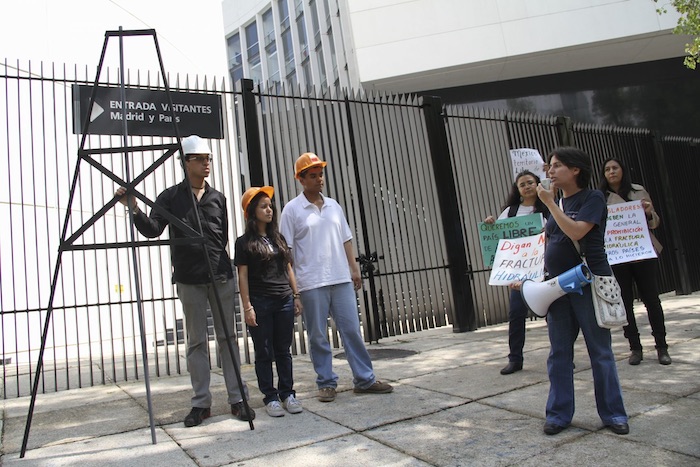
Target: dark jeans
(645, 274)
(272, 338)
(517, 315)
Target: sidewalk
(450, 407)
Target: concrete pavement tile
(53, 378)
(363, 411)
(598, 449)
(77, 423)
(471, 434)
(63, 400)
(683, 415)
(687, 351)
(338, 452)
(131, 449)
(533, 399)
(678, 379)
(223, 440)
(476, 381)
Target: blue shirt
(560, 254)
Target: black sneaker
(238, 411)
(197, 416)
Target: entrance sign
(148, 112)
(627, 235)
(509, 228)
(518, 259)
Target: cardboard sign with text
(518, 259)
(627, 235)
(512, 227)
(527, 159)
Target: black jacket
(189, 265)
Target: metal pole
(132, 231)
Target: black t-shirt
(560, 254)
(265, 277)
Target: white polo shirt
(316, 238)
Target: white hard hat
(195, 145)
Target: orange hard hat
(251, 193)
(306, 161)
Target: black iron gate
(381, 168)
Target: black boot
(512, 367)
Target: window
(235, 58)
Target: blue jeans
(566, 316)
(339, 302)
(517, 315)
(272, 338)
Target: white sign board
(527, 159)
(627, 235)
(518, 259)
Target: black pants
(517, 315)
(645, 275)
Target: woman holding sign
(522, 201)
(617, 185)
(580, 215)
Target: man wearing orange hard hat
(327, 276)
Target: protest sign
(627, 235)
(527, 159)
(518, 259)
(511, 227)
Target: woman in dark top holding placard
(522, 201)
(615, 182)
(580, 215)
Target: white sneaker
(274, 409)
(293, 405)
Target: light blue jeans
(194, 300)
(340, 303)
(566, 316)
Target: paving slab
(598, 449)
(532, 401)
(223, 440)
(75, 424)
(131, 449)
(651, 427)
(351, 450)
(471, 434)
(475, 381)
(364, 411)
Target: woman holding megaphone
(579, 215)
(522, 201)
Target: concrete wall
(415, 45)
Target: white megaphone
(539, 295)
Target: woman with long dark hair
(270, 298)
(579, 215)
(521, 201)
(616, 183)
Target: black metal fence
(414, 177)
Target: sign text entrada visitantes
(147, 112)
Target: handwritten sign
(627, 235)
(527, 159)
(512, 227)
(518, 259)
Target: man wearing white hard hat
(191, 274)
(327, 276)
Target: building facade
(599, 61)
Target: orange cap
(306, 161)
(251, 193)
